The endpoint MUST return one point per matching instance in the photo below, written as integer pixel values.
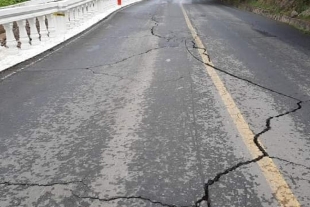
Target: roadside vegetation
(10, 2)
(294, 8)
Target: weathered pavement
(126, 114)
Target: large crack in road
(267, 128)
(210, 182)
(126, 198)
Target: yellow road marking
(277, 183)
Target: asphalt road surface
(165, 103)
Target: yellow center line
(277, 183)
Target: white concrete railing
(31, 30)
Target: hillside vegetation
(293, 8)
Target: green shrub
(10, 2)
(302, 5)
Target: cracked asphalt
(126, 114)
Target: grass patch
(274, 8)
(302, 5)
(304, 17)
(270, 7)
(10, 2)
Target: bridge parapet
(33, 29)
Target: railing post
(100, 6)
(89, 12)
(67, 19)
(82, 14)
(85, 12)
(51, 25)
(23, 36)
(34, 35)
(72, 19)
(75, 17)
(10, 39)
(93, 8)
(61, 23)
(96, 6)
(78, 18)
(43, 30)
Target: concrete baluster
(100, 6)
(51, 25)
(79, 16)
(67, 19)
(85, 14)
(34, 35)
(23, 36)
(43, 29)
(82, 14)
(76, 16)
(103, 5)
(61, 23)
(96, 6)
(10, 39)
(82, 19)
(89, 14)
(72, 18)
(91, 9)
